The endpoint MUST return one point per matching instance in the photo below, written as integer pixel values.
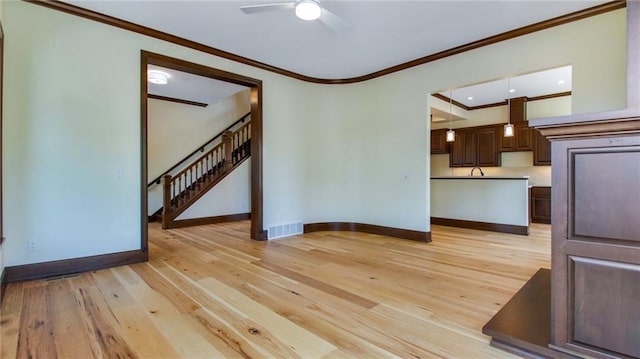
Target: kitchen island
(492, 203)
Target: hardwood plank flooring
(211, 292)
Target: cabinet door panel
(507, 144)
(488, 154)
(523, 137)
(608, 317)
(541, 150)
(595, 264)
(439, 142)
(469, 156)
(541, 205)
(456, 155)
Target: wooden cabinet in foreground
(588, 307)
(596, 244)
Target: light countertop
(482, 177)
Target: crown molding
(126, 25)
(497, 104)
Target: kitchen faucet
(474, 168)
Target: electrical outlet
(33, 245)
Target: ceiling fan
(306, 10)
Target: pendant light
(508, 128)
(451, 135)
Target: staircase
(185, 188)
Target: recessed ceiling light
(158, 77)
(470, 98)
(308, 9)
(512, 90)
(561, 82)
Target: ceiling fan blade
(334, 22)
(254, 9)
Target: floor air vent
(285, 230)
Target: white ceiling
(540, 83)
(383, 33)
(190, 87)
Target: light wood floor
(210, 292)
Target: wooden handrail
(183, 189)
(199, 149)
(201, 163)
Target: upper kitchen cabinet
(522, 139)
(439, 143)
(541, 150)
(463, 146)
(479, 112)
(487, 153)
(518, 110)
(477, 146)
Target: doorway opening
(254, 87)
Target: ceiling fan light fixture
(158, 77)
(308, 10)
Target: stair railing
(199, 149)
(240, 141)
(181, 190)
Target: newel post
(166, 201)
(227, 137)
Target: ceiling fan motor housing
(308, 9)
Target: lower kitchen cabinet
(541, 205)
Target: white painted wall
(362, 140)
(231, 196)
(558, 106)
(337, 153)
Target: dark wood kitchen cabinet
(477, 146)
(487, 149)
(463, 149)
(469, 139)
(439, 143)
(522, 139)
(541, 150)
(596, 241)
(541, 205)
(518, 110)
